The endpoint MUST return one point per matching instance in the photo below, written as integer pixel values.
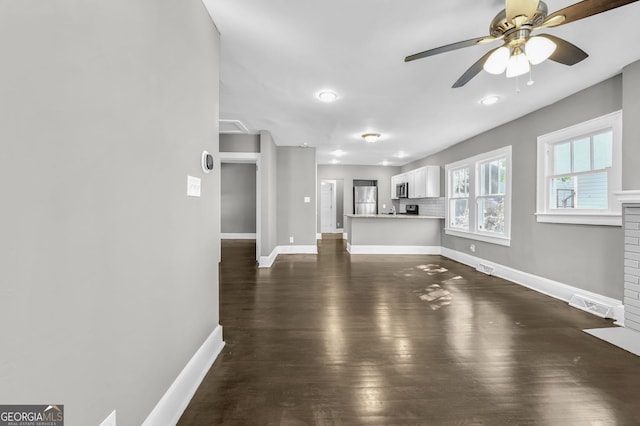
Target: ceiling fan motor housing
(501, 27)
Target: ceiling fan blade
(584, 9)
(515, 8)
(450, 47)
(565, 53)
(473, 70)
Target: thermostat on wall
(207, 162)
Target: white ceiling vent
(232, 126)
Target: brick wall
(632, 266)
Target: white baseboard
(311, 249)
(237, 236)
(175, 400)
(542, 285)
(267, 261)
(371, 249)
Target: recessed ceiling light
(401, 154)
(489, 100)
(335, 161)
(385, 163)
(371, 137)
(327, 95)
(338, 153)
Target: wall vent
(485, 269)
(592, 306)
(232, 126)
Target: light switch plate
(193, 186)
(307, 199)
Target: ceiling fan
(514, 25)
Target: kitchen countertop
(391, 216)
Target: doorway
(328, 206)
(254, 159)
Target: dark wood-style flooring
(336, 339)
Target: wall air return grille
(592, 306)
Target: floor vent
(485, 269)
(592, 306)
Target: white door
(328, 206)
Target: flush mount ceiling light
(327, 96)
(371, 137)
(489, 100)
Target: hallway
(335, 339)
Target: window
(491, 195)
(459, 199)
(579, 169)
(479, 197)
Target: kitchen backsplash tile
(427, 206)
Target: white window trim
(610, 217)
(472, 233)
(449, 197)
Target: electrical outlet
(110, 421)
(472, 247)
(290, 240)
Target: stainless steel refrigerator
(365, 200)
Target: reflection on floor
(339, 339)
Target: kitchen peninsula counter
(393, 234)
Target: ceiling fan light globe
(518, 65)
(538, 49)
(497, 62)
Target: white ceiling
(277, 54)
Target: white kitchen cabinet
(424, 182)
(394, 181)
(418, 183)
(431, 181)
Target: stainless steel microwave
(402, 190)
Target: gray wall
(349, 173)
(631, 126)
(587, 257)
(108, 283)
(268, 182)
(296, 174)
(238, 198)
(339, 204)
(239, 143)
